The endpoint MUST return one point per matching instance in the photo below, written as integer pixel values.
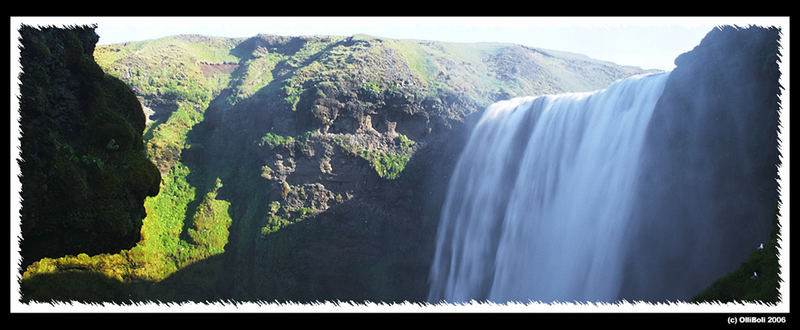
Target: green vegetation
(756, 280)
(257, 75)
(311, 49)
(274, 221)
(211, 222)
(161, 251)
(280, 217)
(168, 67)
(387, 163)
(417, 56)
(373, 88)
(305, 73)
(274, 140)
(293, 89)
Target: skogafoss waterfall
(538, 206)
(650, 190)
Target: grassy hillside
(296, 168)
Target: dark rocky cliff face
(83, 170)
(709, 181)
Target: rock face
(84, 172)
(715, 132)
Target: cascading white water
(537, 207)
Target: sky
(646, 42)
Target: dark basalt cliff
(84, 173)
(709, 188)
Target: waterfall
(538, 205)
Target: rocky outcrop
(84, 174)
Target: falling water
(537, 207)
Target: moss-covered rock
(84, 173)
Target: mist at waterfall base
(553, 199)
